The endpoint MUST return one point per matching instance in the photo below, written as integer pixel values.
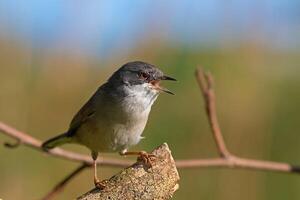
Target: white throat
(140, 98)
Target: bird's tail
(57, 141)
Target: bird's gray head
(139, 75)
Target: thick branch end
(139, 182)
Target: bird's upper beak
(156, 85)
(168, 78)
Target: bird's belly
(107, 137)
(126, 136)
(95, 136)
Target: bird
(115, 116)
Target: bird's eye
(144, 75)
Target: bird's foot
(143, 156)
(147, 158)
(99, 184)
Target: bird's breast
(118, 124)
(133, 112)
(128, 134)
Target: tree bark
(140, 182)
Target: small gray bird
(114, 118)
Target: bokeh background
(54, 55)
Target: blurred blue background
(54, 54)
(100, 28)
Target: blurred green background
(54, 55)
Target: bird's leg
(142, 155)
(97, 182)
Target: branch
(138, 182)
(27, 140)
(205, 82)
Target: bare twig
(226, 158)
(205, 82)
(60, 186)
(16, 144)
(34, 143)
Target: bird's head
(141, 76)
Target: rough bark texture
(139, 182)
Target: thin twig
(60, 186)
(16, 144)
(205, 82)
(235, 162)
(34, 143)
(181, 164)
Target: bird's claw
(100, 185)
(147, 158)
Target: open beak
(160, 88)
(165, 90)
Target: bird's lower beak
(165, 90)
(157, 86)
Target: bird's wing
(83, 115)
